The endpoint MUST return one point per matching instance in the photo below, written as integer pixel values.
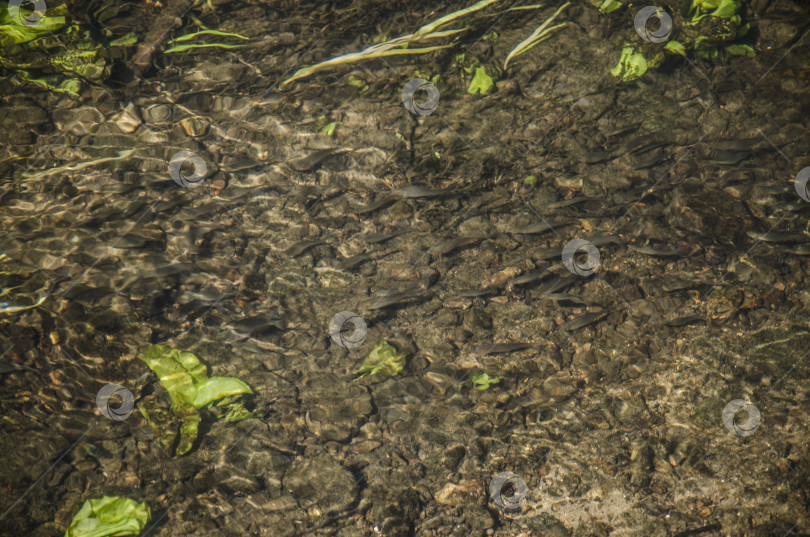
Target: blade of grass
(438, 23)
(180, 48)
(429, 31)
(206, 32)
(359, 56)
(538, 35)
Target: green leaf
(328, 128)
(482, 381)
(741, 50)
(481, 82)
(630, 66)
(609, 6)
(185, 379)
(383, 359)
(124, 40)
(675, 48)
(216, 388)
(110, 516)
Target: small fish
(650, 161)
(377, 204)
(541, 227)
(6, 307)
(10, 367)
(582, 321)
(170, 270)
(802, 249)
(595, 157)
(258, 323)
(376, 238)
(683, 321)
(476, 292)
(350, 262)
(383, 301)
(728, 158)
(500, 348)
(772, 236)
(574, 201)
(417, 191)
(682, 284)
(312, 161)
(557, 284)
(743, 144)
(565, 297)
(649, 250)
(445, 247)
(300, 248)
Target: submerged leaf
(185, 379)
(482, 381)
(480, 83)
(110, 516)
(383, 359)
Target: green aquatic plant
(190, 388)
(631, 65)
(711, 26)
(540, 34)
(483, 381)
(57, 53)
(110, 516)
(383, 359)
(701, 28)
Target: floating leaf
(110, 516)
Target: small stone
(572, 183)
(195, 126)
(128, 119)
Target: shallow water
(652, 378)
